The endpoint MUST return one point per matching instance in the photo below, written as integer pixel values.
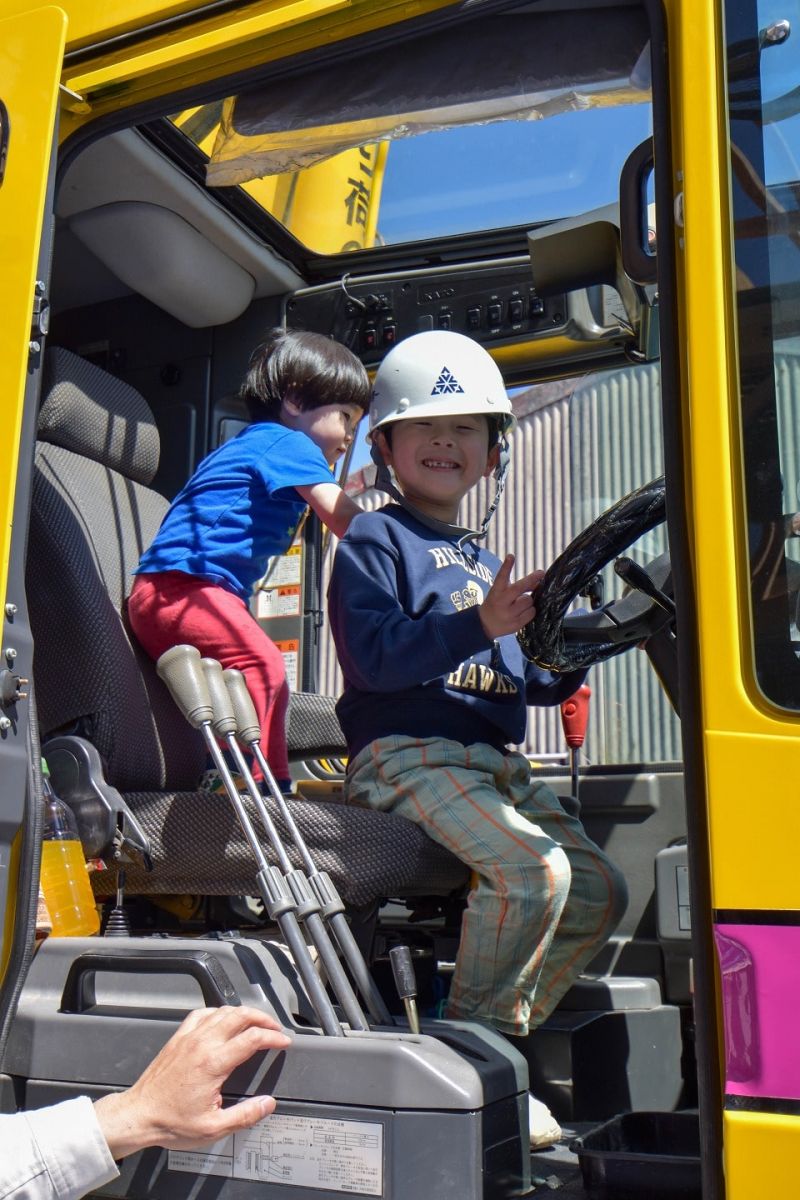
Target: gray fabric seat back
(92, 516)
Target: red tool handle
(575, 715)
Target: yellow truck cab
(604, 195)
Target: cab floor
(556, 1171)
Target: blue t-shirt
(239, 508)
(403, 608)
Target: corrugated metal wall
(615, 446)
(581, 445)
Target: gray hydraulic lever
(635, 576)
(307, 903)
(332, 907)
(181, 671)
(406, 983)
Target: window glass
(502, 121)
(764, 103)
(614, 439)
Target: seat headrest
(92, 413)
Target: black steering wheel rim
(543, 638)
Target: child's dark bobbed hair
(308, 368)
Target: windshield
(519, 128)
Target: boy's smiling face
(437, 460)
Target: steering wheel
(564, 642)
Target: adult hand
(509, 606)
(177, 1100)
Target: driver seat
(93, 513)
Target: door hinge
(40, 318)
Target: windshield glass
(530, 172)
(523, 126)
(764, 105)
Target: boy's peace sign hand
(508, 605)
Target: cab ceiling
(129, 221)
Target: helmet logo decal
(446, 384)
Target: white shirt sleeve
(56, 1153)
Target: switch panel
(495, 305)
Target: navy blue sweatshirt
(403, 607)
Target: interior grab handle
(212, 979)
(638, 263)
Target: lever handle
(575, 716)
(405, 979)
(180, 670)
(635, 576)
(406, 983)
(223, 721)
(248, 727)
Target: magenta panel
(760, 968)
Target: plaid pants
(546, 897)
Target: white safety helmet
(438, 373)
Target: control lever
(248, 731)
(117, 922)
(307, 904)
(593, 591)
(181, 670)
(405, 981)
(127, 846)
(574, 719)
(636, 577)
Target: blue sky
(508, 172)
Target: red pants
(173, 609)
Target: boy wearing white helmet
(437, 688)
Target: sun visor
(164, 258)
(518, 66)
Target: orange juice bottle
(64, 878)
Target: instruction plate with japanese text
(340, 1156)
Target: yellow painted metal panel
(761, 1156)
(90, 22)
(731, 699)
(755, 827)
(195, 43)
(210, 49)
(334, 204)
(30, 97)
(706, 338)
(752, 750)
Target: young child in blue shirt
(436, 689)
(242, 506)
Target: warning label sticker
(285, 568)
(278, 602)
(342, 1156)
(290, 649)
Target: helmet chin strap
(386, 481)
